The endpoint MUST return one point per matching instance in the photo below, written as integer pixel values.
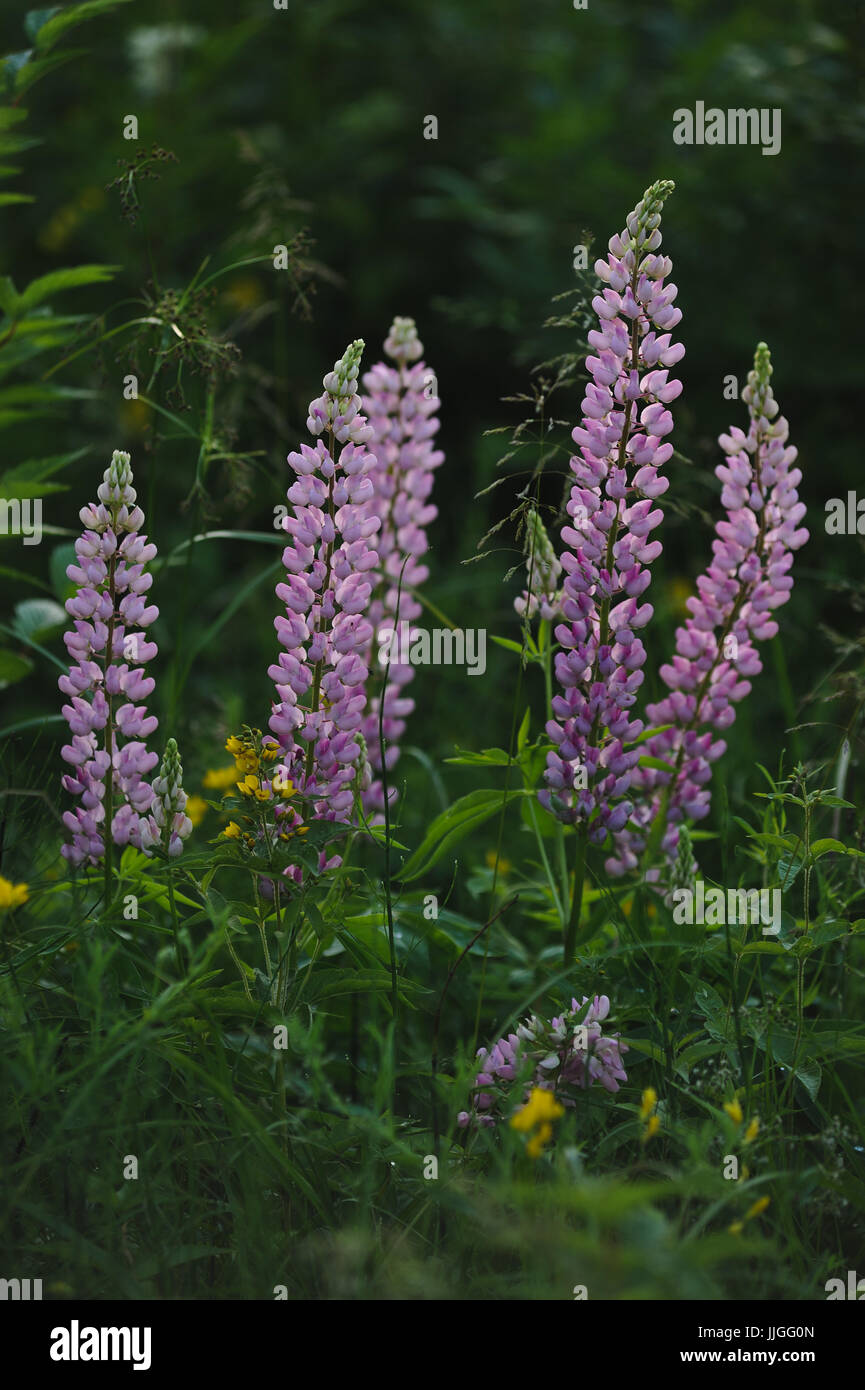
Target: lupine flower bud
(402, 405)
(623, 446)
(107, 646)
(168, 823)
(716, 656)
(543, 571)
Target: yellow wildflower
(752, 1131)
(759, 1206)
(232, 831)
(220, 778)
(12, 894)
(651, 1129)
(233, 744)
(504, 864)
(196, 809)
(249, 785)
(648, 1103)
(756, 1210)
(247, 761)
(539, 1141)
(734, 1110)
(269, 751)
(540, 1108)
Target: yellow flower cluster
(12, 894)
(250, 755)
(734, 1110)
(647, 1112)
(537, 1114)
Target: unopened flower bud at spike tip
(168, 823)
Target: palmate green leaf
(45, 27)
(452, 825)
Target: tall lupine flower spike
(108, 753)
(715, 659)
(321, 672)
(168, 825)
(402, 404)
(543, 573)
(622, 447)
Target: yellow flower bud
(648, 1103)
(734, 1110)
(759, 1206)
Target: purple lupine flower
(401, 403)
(321, 672)
(543, 572)
(623, 445)
(715, 659)
(107, 646)
(568, 1053)
(168, 824)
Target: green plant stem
(573, 926)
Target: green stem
(174, 920)
(577, 899)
